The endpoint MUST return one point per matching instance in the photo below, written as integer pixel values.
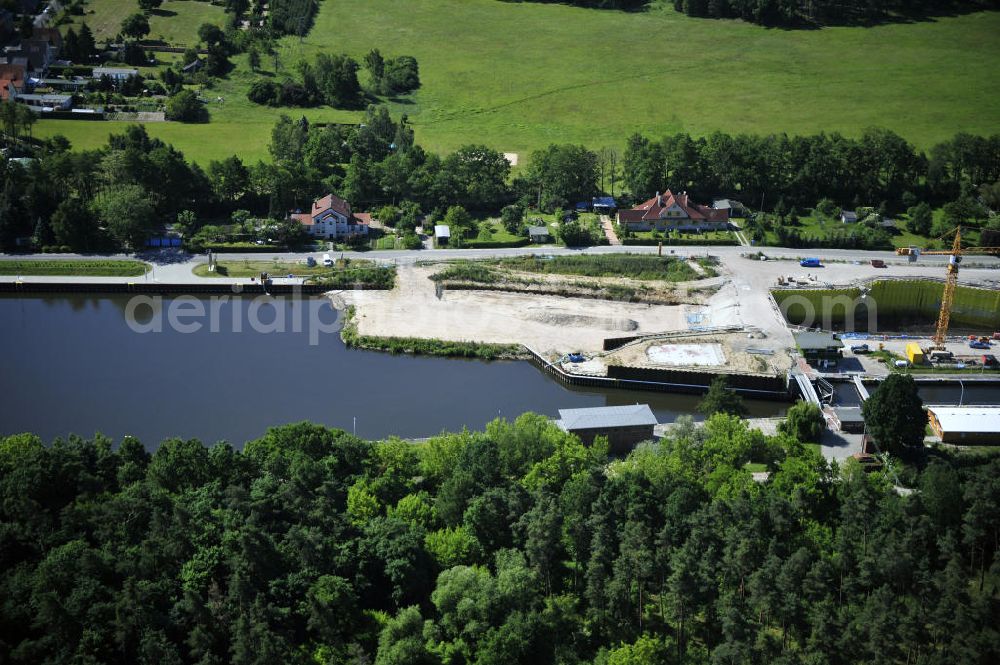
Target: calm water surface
(72, 364)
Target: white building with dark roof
(331, 218)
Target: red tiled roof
(364, 218)
(650, 210)
(331, 202)
(320, 206)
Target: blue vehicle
(810, 263)
(576, 358)
(978, 345)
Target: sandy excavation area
(547, 324)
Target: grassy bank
(427, 347)
(632, 266)
(518, 76)
(74, 267)
(491, 275)
(345, 274)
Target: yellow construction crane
(951, 279)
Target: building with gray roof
(624, 426)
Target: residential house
(13, 80)
(539, 234)
(331, 219)
(442, 234)
(673, 211)
(624, 426)
(114, 73)
(848, 217)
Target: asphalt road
(174, 266)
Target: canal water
(85, 364)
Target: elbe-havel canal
(73, 364)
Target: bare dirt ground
(555, 325)
(547, 324)
(733, 345)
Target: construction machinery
(951, 279)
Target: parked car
(990, 360)
(327, 261)
(878, 263)
(310, 262)
(860, 348)
(901, 363)
(976, 344)
(939, 356)
(810, 263)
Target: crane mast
(948, 296)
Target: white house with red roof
(331, 219)
(673, 211)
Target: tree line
(333, 80)
(802, 13)
(516, 544)
(377, 163)
(824, 12)
(763, 171)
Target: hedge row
(693, 242)
(494, 244)
(242, 247)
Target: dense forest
(513, 545)
(880, 166)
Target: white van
(327, 261)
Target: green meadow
(175, 21)
(518, 76)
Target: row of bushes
(681, 241)
(494, 244)
(375, 277)
(240, 247)
(427, 347)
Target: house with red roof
(331, 219)
(673, 211)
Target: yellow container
(914, 353)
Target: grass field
(82, 267)
(175, 22)
(633, 266)
(518, 76)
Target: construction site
(739, 321)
